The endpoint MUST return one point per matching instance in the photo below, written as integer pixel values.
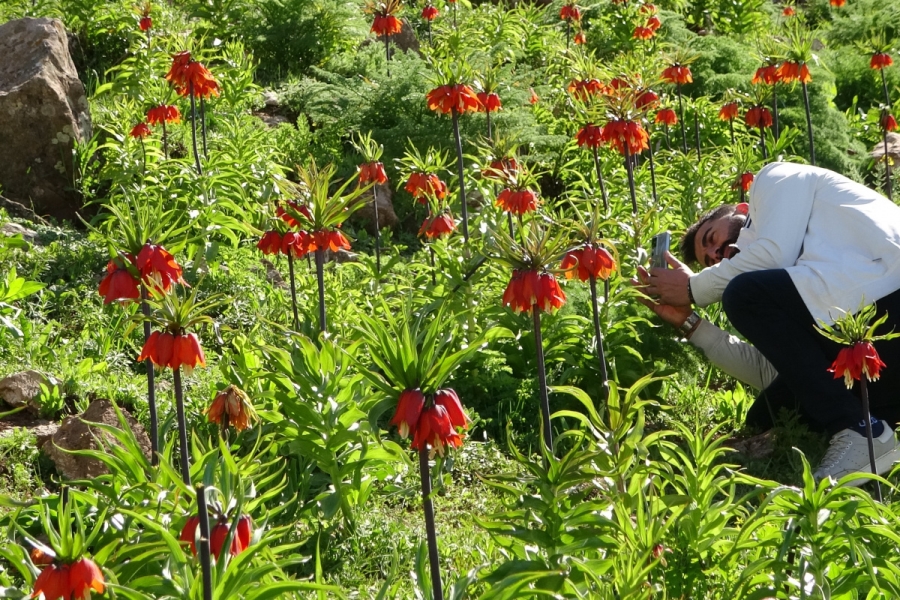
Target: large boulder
(387, 218)
(24, 389)
(43, 110)
(76, 434)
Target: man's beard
(728, 249)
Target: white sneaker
(848, 452)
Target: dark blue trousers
(765, 307)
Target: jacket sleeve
(734, 356)
(781, 201)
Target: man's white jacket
(838, 240)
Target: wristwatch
(690, 324)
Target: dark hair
(687, 242)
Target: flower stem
(151, 385)
(887, 95)
(731, 130)
(762, 141)
(887, 167)
(182, 427)
(205, 561)
(194, 126)
(697, 131)
(165, 141)
(809, 128)
(775, 113)
(377, 230)
(542, 378)
(430, 532)
(430, 40)
(293, 290)
(144, 154)
(600, 179)
(433, 270)
(629, 168)
(203, 126)
(604, 377)
(462, 174)
(488, 116)
(681, 119)
(652, 171)
(320, 277)
(512, 228)
(387, 54)
(669, 141)
(568, 32)
(866, 415)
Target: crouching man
(810, 244)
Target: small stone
(271, 99)
(24, 389)
(11, 229)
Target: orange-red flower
(189, 532)
(729, 111)
(409, 408)
(528, 288)
(436, 430)
(643, 33)
(386, 25)
(678, 74)
(518, 202)
(270, 242)
(145, 23)
(788, 11)
(156, 263)
(855, 361)
(582, 89)
(579, 39)
(570, 12)
(501, 168)
(837, 3)
(437, 227)
(881, 60)
(41, 558)
(588, 261)
(450, 401)
(295, 243)
(119, 285)
(645, 99)
(69, 582)
(218, 534)
(743, 181)
(187, 75)
(654, 23)
(289, 218)
(373, 171)
(429, 13)
(140, 131)
(758, 116)
(448, 98)
(163, 114)
(533, 97)
(233, 402)
(767, 74)
(648, 9)
(887, 121)
(490, 102)
(423, 185)
(791, 71)
(329, 240)
(624, 135)
(173, 351)
(666, 116)
(590, 136)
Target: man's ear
(742, 209)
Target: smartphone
(661, 243)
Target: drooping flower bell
(386, 25)
(430, 12)
(666, 116)
(855, 361)
(743, 182)
(528, 288)
(140, 131)
(490, 102)
(73, 581)
(837, 3)
(729, 111)
(887, 121)
(156, 264)
(582, 89)
(218, 534)
(570, 12)
(791, 71)
(880, 60)
(501, 168)
(173, 351)
(409, 408)
(372, 172)
(437, 226)
(625, 135)
(788, 11)
(590, 136)
(653, 23)
(289, 218)
(119, 285)
(588, 261)
(329, 240)
(186, 72)
(450, 401)
(163, 114)
(435, 429)
(758, 116)
(533, 97)
(145, 23)
(767, 74)
(423, 185)
(646, 99)
(643, 33)
(234, 403)
(447, 98)
(579, 38)
(677, 74)
(270, 242)
(296, 243)
(517, 202)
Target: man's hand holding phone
(667, 285)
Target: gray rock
(893, 147)
(11, 229)
(386, 215)
(24, 388)
(41, 429)
(43, 110)
(271, 99)
(76, 434)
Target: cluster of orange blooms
(190, 77)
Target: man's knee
(737, 294)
